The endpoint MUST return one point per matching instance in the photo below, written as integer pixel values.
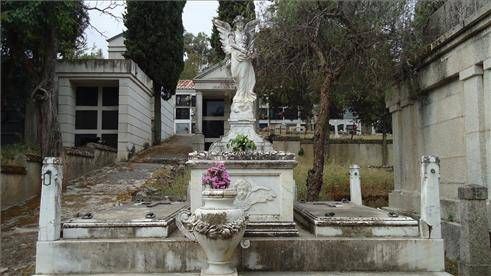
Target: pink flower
(216, 177)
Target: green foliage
(241, 143)
(227, 11)
(301, 152)
(10, 153)
(85, 53)
(154, 40)
(376, 183)
(25, 25)
(33, 35)
(198, 54)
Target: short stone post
(50, 208)
(354, 184)
(430, 197)
(475, 254)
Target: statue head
(239, 22)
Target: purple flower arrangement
(216, 177)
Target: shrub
(241, 143)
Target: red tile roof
(185, 84)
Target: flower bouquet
(216, 177)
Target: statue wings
(250, 30)
(225, 31)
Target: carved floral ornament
(212, 231)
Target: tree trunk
(157, 122)
(46, 97)
(385, 152)
(321, 132)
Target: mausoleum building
(451, 116)
(109, 100)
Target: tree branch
(108, 9)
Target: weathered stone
(266, 188)
(355, 185)
(473, 192)
(430, 196)
(50, 208)
(307, 253)
(475, 251)
(345, 219)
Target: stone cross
(354, 184)
(430, 196)
(475, 253)
(50, 207)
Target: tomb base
(265, 188)
(345, 219)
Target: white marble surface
(266, 189)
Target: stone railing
(78, 161)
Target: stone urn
(218, 226)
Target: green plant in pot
(241, 143)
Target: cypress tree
(227, 11)
(154, 40)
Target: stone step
(281, 273)
(304, 253)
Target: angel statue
(239, 45)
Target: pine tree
(227, 11)
(154, 40)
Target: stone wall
(135, 117)
(167, 111)
(343, 152)
(79, 161)
(449, 117)
(20, 182)
(23, 182)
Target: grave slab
(345, 219)
(129, 221)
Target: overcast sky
(196, 18)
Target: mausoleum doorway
(96, 114)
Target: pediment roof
(213, 73)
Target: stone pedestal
(355, 185)
(475, 253)
(243, 127)
(50, 206)
(430, 197)
(265, 186)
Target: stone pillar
(472, 78)
(123, 119)
(487, 123)
(50, 208)
(199, 112)
(395, 111)
(430, 197)
(66, 111)
(475, 253)
(354, 185)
